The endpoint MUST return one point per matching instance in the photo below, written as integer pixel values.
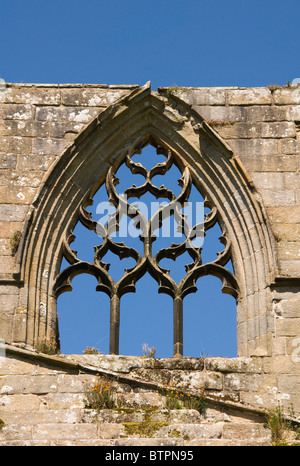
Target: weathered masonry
(238, 146)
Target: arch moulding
(162, 119)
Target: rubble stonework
(243, 143)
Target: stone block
(286, 232)
(15, 145)
(17, 112)
(17, 194)
(288, 327)
(287, 96)
(19, 325)
(289, 250)
(293, 112)
(250, 147)
(7, 266)
(243, 382)
(290, 268)
(225, 365)
(16, 432)
(243, 113)
(17, 178)
(250, 96)
(197, 380)
(8, 161)
(279, 346)
(56, 401)
(33, 95)
(277, 197)
(91, 97)
(24, 128)
(202, 96)
(110, 362)
(292, 180)
(287, 216)
(36, 417)
(258, 163)
(237, 130)
(60, 130)
(18, 403)
(283, 129)
(49, 146)
(289, 383)
(78, 115)
(246, 431)
(268, 180)
(195, 431)
(64, 431)
(290, 308)
(5, 246)
(34, 162)
(289, 146)
(110, 431)
(31, 384)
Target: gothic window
(154, 227)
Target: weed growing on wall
(99, 394)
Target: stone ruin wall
(260, 125)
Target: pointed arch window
(146, 226)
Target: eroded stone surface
(258, 130)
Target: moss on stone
(143, 429)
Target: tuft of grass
(175, 399)
(280, 426)
(46, 345)
(171, 90)
(15, 241)
(99, 394)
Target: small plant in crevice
(91, 350)
(99, 394)
(46, 345)
(280, 426)
(15, 241)
(148, 352)
(2, 424)
(171, 90)
(273, 87)
(175, 399)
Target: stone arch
(216, 171)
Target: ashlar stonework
(241, 147)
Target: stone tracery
(148, 262)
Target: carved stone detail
(147, 262)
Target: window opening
(148, 227)
(83, 318)
(210, 327)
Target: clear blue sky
(170, 43)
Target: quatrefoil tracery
(147, 262)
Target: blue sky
(170, 43)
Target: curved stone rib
(64, 280)
(229, 282)
(86, 217)
(69, 254)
